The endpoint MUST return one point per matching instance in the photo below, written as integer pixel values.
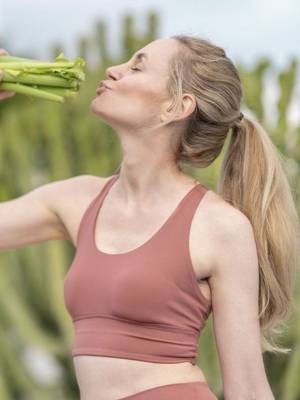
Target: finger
(6, 94)
(3, 52)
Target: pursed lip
(102, 85)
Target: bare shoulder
(216, 225)
(222, 217)
(73, 196)
(81, 185)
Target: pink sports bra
(144, 304)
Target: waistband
(109, 336)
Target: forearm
(252, 387)
(265, 394)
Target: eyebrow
(140, 56)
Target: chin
(94, 107)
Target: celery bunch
(54, 81)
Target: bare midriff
(112, 378)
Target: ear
(187, 107)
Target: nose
(116, 72)
(111, 73)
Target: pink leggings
(176, 391)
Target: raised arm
(234, 286)
(32, 217)
(51, 211)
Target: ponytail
(254, 179)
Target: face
(137, 93)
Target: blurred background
(41, 141)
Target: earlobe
(166, 114)
(163, 118)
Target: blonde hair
(253, 175)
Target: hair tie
(241, 116)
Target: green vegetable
(54, 81)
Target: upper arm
(34, 217)
(235, 287)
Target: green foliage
(41, 141)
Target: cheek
(135, 100)
(141, 92)
(142, 102)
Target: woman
(165, 251)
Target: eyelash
(135, 69)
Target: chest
(116, 232)
(120, 232)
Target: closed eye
(135, 69)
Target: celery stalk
(59, 91)
(30, 91)
(34, 79)
(49, 80)
(29, 65)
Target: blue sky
(246, 30)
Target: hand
(4, 93)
